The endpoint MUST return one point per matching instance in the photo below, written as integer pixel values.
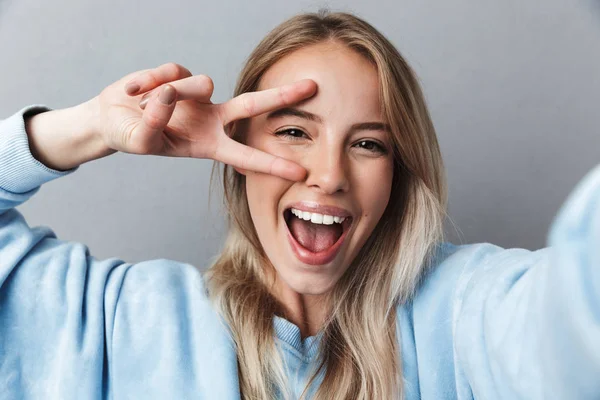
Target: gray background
(513, 86)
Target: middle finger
(152, 78)
(251, 104)
(197, 87)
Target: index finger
(151, 78)
(245, 157)
(251, 104)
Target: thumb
(147, 136)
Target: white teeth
(317, 218)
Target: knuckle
(244, 162)
(154, 121)
(271, 166)
(282, 92)
(206, 83)
(248, 103)
(183, 71)
(172, 70)
(152, 79)
(176, 71)
(248, 157)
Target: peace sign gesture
(177, 118)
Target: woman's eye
(291, 133)
(372, 146)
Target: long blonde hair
(359, 352)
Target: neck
(306, 311)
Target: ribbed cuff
(20, 172)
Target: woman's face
(340, 138)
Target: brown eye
(371, 146)
(291, 133)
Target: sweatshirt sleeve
(21, 174)
(56, 301)
(74, 327)
(528, 323)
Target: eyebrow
(294, 112)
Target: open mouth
(316, 238)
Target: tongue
(314, 237)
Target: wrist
(88, 132)
(63, 139)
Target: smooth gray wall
(513, 86)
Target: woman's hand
(177, 118)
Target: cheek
(264, 193)
(262, 190)
(374, 189)
(383, 190)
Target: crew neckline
(289, 333)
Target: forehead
(347, 82)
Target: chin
(312, 291)
(303, 282)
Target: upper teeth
(317, 218)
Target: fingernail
(167, 95)
(144, 100)
(132, 88)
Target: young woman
(334, 281)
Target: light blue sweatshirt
(486, 323)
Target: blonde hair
(359, 353)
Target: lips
(326, 255)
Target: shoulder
(464, 275)
(483, 267)
(164, 303)
(426, 322)
(162, 288)
(450, 268)
(460, 279)
(460, 271)
(162, 276)
(166, 327)
(457, 264)
(161, 295)
(450, 265)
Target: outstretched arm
(528, 323)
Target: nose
(327, 169)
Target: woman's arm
(528, 323)
(59, 320)
(52, 292)
(64, 139)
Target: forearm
(63, 139)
